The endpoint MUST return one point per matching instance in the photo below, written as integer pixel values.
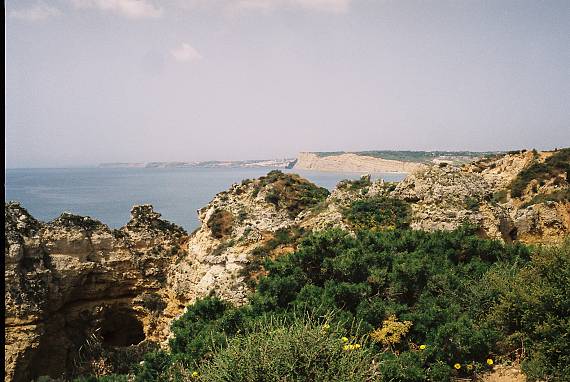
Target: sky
(90, 81)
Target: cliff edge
(80, 296)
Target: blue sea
(107, 194)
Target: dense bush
(378, 213)
(534, 313)
(290, 192)
(428, 307)
(301, 351)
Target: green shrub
(290, 192)
(302, 351)
(104, 378)
(357, 184)
(203, 327)
(534, 313)
(379, 213)
(406, 367)
(154, 366)
(466, 299)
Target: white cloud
(185, 53)
(134, 9)
(37, 12)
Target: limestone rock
(73, 276)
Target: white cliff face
(352, 163)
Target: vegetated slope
(259, 249)
(396, 305)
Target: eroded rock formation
(79, 294)
(74, 279)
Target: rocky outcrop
(352, 163)
(235, 223)
(78, 293)
(444, 197)
(74, 279)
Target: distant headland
(338, 161)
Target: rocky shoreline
(74, 278)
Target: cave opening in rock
(120, 327)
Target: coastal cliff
(74, 286)
(350, 162)
(81, 297)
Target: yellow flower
(423, 347)
(194, 374)
(457, 366)
(346, 347)
(357, 346)
(469, 367)
(344, 339)
(489, 362)
(326, 326)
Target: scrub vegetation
(389, 305)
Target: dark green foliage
(357, 184)
(290, 192)
(555, 165)
(534, 313)
(200, 329)
(272, 198)
(154, 366)
(379, 213)
(407, 367)
(468, 299)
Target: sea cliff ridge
(73, 282)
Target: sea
(107, 194)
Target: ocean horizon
(108, 194)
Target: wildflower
(357, 346)
(326, 327)
(194, 374)
(469, 367)
(489, 362)
(423, 347)
(346, 347)
(457, 366)
(344, 339)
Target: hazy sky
(91, 81)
